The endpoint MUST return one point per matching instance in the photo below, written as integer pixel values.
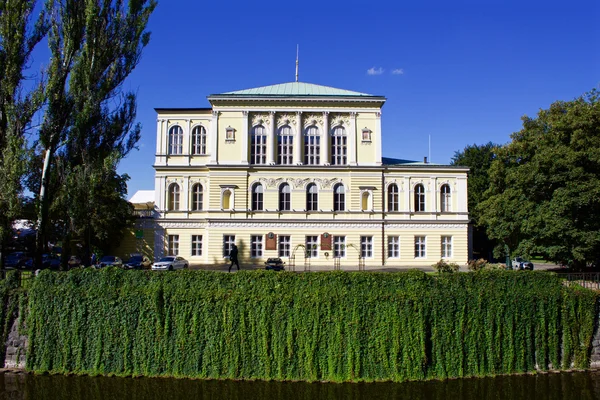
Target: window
(419, 246)
(366, 135)
(312, 146)
(339, 197)
(228, 242)
(173, 201)
(339, 143)
(257, 197)
(366, 246)
(226, 202)
(285, 145)
(419, 198)
(229, 134)
(173, 245)
(256, 246)
(393, 197)
(285, 245)
(258, 149)
(393, 246)
(312, 246)
(339, 246)
(197, 197)
(312, 197)
(175, 140)
(445, 198)
(285, 202)
(446, 246)
(196, 245)
(199, 140)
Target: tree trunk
(40, 239)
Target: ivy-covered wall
(306, 326)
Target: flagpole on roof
(297, 51)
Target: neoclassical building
(296, 171)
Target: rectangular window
(419, 246)
(228, 242)
(256, 246)
(285, 244)
(196, 245)
(312, 246)
(446, 246)
(173, 245)
(339, 246)
(393, 246)
(366, 246)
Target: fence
(590, 280)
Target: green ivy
(331, 326)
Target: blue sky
(466, 71)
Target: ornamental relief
(271, 182)
(260, 119)
(174, 180)
(325, 183)
(286, 119)
(298, 182)
(193, 181)
(339, 119)
(312, 119)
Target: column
(160, 138)
(188, 139)
(407, 194)
(214, 137)
(435, 206)
(352, 140)
(244, 158)
(377, 139)
(325, 145)
(298, 142)
(185, 195)
(271, 143)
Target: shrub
(476, 265)
(445, 267)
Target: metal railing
(590, 280)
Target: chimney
(425, 160)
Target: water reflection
(564, 386)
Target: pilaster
(271, 142)
(298, 143)
(352, 140)
(245, 116)
(214, 138)
(378, 139)
(325, 146)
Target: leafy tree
(478, 158)
(544, 195)
(19, 35)
(95, 45)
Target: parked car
(16, 259)
(138, 261)
(275, 264)
(169, 263)
(521, 264)
(48, 261)
(107, 261)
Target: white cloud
(398, 71)
(375, 71)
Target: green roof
(296, 89)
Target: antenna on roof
(297, 51)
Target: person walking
(233, 256)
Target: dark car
(48, 261)
(107, 261)
(138, 261)
(521, 264)
(275, 264)
(18, 259)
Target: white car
(169, 263)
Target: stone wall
(16, 346)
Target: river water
(555, 386)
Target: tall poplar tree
(19, 35)
(95, 45)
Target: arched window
(312, 146)
(197, 197)
(258, 149)
(226, 202)
(339, 143)
(365, 201)
(393, 197)
(199, 141)
(445, 198)
(312, 197)
(419, 198)
(173, 201)
(175, 140)
(339, 197)
(285, 202)
(285, 145)
(257, 197)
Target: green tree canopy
(544, 194)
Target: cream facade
(296, 171)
